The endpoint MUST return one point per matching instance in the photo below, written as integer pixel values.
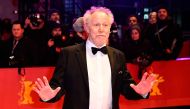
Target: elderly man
(92, 75)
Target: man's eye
(105, 24)
(96, 24)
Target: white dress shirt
(99, 74)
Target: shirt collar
(89, 44)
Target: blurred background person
(55, 43)
(35, 29)
(79, 29)
(165, 36)
(131, 20)
(114, 40)
(152, 17)
(2, 54)
(5, 35)
(20, 50)
(151, 25)
(77, 34)
(138, 50)
(54, 15)
(5, 29)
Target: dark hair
(54, 25)
(137, 27)
(162, 7)
(18, 22)
(6, 25)
(51, 11)
(133, 15)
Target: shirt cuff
(145, 95)
(44, 100)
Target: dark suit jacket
(25, 53)
(71, 74)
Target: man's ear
(22, 30)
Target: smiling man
(92, 75)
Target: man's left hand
(145, 85)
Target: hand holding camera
(34, 21)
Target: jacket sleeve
(58, 77)
(127, 79)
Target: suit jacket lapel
(112, 58)
(82, 62)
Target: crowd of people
(38, 42)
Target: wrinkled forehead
(99, 14)
(99, 17)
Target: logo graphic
(155, 89)
(26, 89)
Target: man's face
(162, 14)
(98, 28)
(132, 21)
(56, 32)
(17, 31)
(55, 17)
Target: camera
(144, 59)
(34, 19)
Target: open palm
(44, 90)
(145, 85)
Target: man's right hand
(44, 90)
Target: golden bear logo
(155, 90)
(26, 89)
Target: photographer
(35, 29)
(34, 21)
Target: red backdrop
(172, 88)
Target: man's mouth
(100, 35)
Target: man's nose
(101, 28)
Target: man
(20, 51)
(166, 36)
(55, 43)
(132, 20)
(54, 15)
(92, 79)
